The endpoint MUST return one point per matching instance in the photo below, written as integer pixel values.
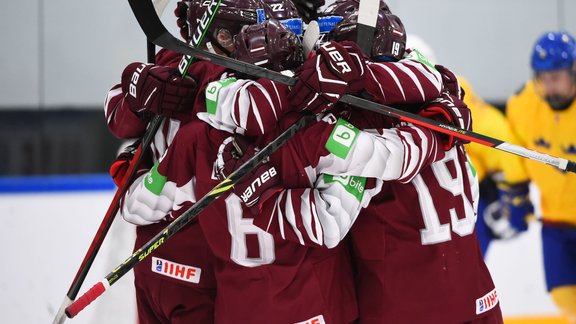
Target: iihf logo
(176, 270)
(486, 302)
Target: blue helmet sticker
(328, 23)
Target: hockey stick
(310, 37)
(115, 203)
(99, 288)
(155, 30)
(153, 126)
(366, 26)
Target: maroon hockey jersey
(416, 251)
(260, 278)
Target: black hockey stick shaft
(155, 30)
(99, 288)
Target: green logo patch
(154, 181)
(415, 54)
(354, 185)
(212, 93)
(342, 138)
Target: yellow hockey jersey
(488, 120)
(542, 129)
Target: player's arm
(145, 90)
(410, 80)
(320, 215)
(168, 187)
(388, 154)
(244, 106)
(341, 68)
(121, 120)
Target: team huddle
(358, 218)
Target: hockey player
(253, 107)
(264, 277)
(492, 166)
(148, 89)
(185, 280)
(404, 250)
(283, 267)
(541, 114)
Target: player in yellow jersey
(543, 116)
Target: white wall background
(44, 238)
(69, 53)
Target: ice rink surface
(45, 237)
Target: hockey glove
(451, 110)
(120, 166)
(450, 82)
(158, 90)
(257, 185)
(498, 225)
(515, 204)
(334, 71)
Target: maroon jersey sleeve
(336, 161)
(403, 82)
(169, 188)
(244, 106)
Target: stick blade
(310, 38)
